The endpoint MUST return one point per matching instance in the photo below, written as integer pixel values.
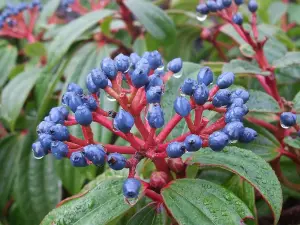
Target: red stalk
(132, 140)
(219, 124)
(70, 122)
(88, 134)
(141, 127)
(190, 124)
(153, 195)
(112, 93)
(168, 128)
(213, 91)
(119, 149)
(77, 141)
(263, 123)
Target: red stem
(88, 134)
(190, 124)
(168, 128)
(119, 149)
(263, 123)
(219, 124)
(141, 127)
(153, 195)
(77, 141)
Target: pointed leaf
(290, 59)
(249, 166)
(202, 202)
(8, 58)
(243, 67)
(262, 102)
(293, 142)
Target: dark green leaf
(139, 46)
(274, 49)
(262, 102)
(204, 203)
(276, 11)
(100, 205)
(15, 94)
(151, 214)
(37, 189)
(293, 142)
(36, 49)
(250, 167)
(265, 145)
(8, 58)
(290, 59)
(65, 38)
(241, 67)
(154, 19)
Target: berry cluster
(146, 78)
(13, 23)
(76, 6)
(220, 6)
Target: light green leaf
(8, 58)
(100, 205)
(261, 102)
(250, 167)
(229, 30)
(243, 67)
(15, 94)
(154, 19)
(204, 203)
(293, 12)
(293, 142)
(276, 10)
(48, 10)
(296, 102)
(67, 36)
(290, 59)
(36, 49)
(247, 50)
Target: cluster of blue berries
(234, 101)
(11, 11)
(288, 119)
(66, 3)
(219, 5)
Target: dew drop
(201, 17)
(130, 201)
(233, 141)
(178, 75)
(110, 98)
(284, 126)
(181, 93)
(160, 68)
(36, 157)
(69, 9)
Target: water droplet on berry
(110, 98)
(178, 75)
(37, 157)
(201, 17)
(130, 201)
(284, 126)
(69, 9)
(161, 68)
(181, 93)
(233, 141)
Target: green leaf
(247, 50)
(151, 214)
(296, 101)
(36, 189)
(204, 203)
(274, 49)
(265, 145)
(8, 58)
(8, 152)
(293, 142)
(15, 94)
(290, 59)
(245, 192)
(293, 12)
(36, 49)
(154, 19)
(139, 45)
(48, 10)
(65, 38)
(276, 11)
(250, 167)
(261, 102)
(100, 205)
(242, 67)
(229, 30)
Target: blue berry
(59, 149)
(99, 78)
(220, 4)
(72, 87)
(240, 93)
(91, 86)
(45, 140)
(225, 80)
(182, 106)
(176, 149)
(38, 150)
(238, 19)
(154, 80)
(131, 188)
(95, 153)
(56, 116)
(59, 132)
(90, 102)
(153, 95)
(109, 68)
(72, 100)
(202, 8)
(134, 58)
(123, 121)
(44, 127)
(155, 116)
(252, 6)
(139, 78)
(201, 94)
(218, 140)
(143, 65)
(234, 114)
(83, 115)
(122, 62)
(175, 65)
(77, 159)
(205, 76)
(288, 119)
(188, 87)
(212, 5)
(154, 59)
(193, 143)
(233, 130)
(239, 2)
(116, 161)
(221, 98)
(247, 135)
(64, 111)
(47, 119)
(227, 3)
